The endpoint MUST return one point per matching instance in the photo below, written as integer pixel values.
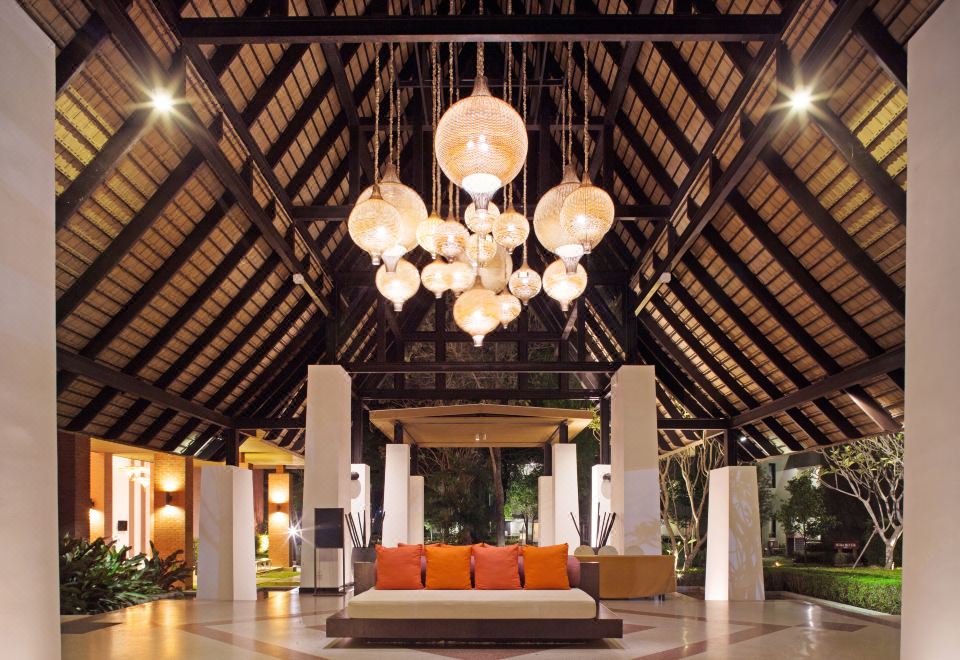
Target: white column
(29, 621)
(735, 552)
(360, 494)
(566, 497)
(326, 469)
(396, 494)
(545, 510)
(415, 510)
(931, 569)
(600, 491)
(226, 565)
(635, 484)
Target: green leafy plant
(169, 573)
(873, 589)
(804, 514)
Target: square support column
(545, 511)
(396, 495)
(360, 494)
(634, 469)
(29, 620)
(73, 484)
(278, 518)
(566, 498)
(600, 492)
(931, 577)
(735, 551)
(415, 510)
(173, 505)
(326, 471)
(226, 567)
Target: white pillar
(29, 621)
(396, 494)
(566, 497)
(360, 494)
(635, 483)
(326, 470)
(226, 566)
(600, 491)
(735, 551)
(415, 510)
(931, 575)
(545, 510)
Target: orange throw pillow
(546, 567)
(496, 568)
(448, 567)
(398, 568)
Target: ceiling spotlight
(801, 99)
(743, 438)
(162, 101)
(299, 279)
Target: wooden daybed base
(605, 624)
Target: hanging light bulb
(460, 275)
(525, 283)
(511, 229)
(451, 238)
(480, 249)
(411, 211)
(476, 312)
(587, 214)
(435, 277)
(508, 306)
(400, 285)
(480, 221)
(427, 233)
(374, 225)
(562, 285)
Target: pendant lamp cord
(523, 92)
(376, 120)
(586, 115)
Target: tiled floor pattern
(290, 627)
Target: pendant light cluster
(480, 145)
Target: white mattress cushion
(472, 604)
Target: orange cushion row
(448, 567)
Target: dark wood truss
(180, 322)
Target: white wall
(396, 494)
(566, 495)
(226, 565)
(931, 575)
(29, 622)
(545, 509)
(734, 553)
(600, 492)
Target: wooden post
(548, 460)
(398, 433)
(233, 447)
(564, 431)
(356, 430)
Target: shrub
(169, 573)
(875, 589)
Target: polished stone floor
(291, 627)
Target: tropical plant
(97, 576)
(804, 513)
(170, 573)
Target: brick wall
(278, 517)
(173, 520)
(73, 484)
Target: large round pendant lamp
(508, 308)
(511, 229)
(480, 249)
(525, 283)
(476, 312)
(460, 275)
(562, 285)
(546, 218)
(481, 221)
(481, 143)
(400, 285)
(427, 233)
(451, 238)
(435, 278)
(587, 214)
(409, 206)
(374, 224)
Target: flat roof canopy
(481, 425)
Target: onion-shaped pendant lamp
(480, 249)
(435, 277)
(411, 209)
(400, 285)
(481, 142)
(374, 224)
(508, 306)
(481, 221)
(525, 283)
(546, 218)
(562, 285)
(460, 275)
(511, 229)
(476, 312)
(587, 214)
(451, 239)
(427, 233)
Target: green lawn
(279, 577)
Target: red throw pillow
(496, 568)
(448, 567)
(398, 568)
(546, 567)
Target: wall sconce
(168, 498)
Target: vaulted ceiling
(758, 263)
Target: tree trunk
(888, 555)
(498, 495)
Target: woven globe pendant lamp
(450, 238)
(460, 275)
(508, 307)
(511, 229)
(427, 233)
(410, 208)
(587, 214)
(481, 221)
(400, 285)
(373, 225)
(546, 218)
(525, 283)
(480, 249)
(562, 285)
(481, 143)
(476, 312)
(435, 278)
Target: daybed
(477, 615)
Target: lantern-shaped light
(435, 277)
(427, 233)
(546, 219)
(525, 283)
(410, 207)
(508, 306)
(450, 238)
(476, 312)
(480, 249)
(481, 143)
(460, 275)
(587, 214)
(480, 221)
(400, 285)
(564, 286)
(374, 225)
(511, 229)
